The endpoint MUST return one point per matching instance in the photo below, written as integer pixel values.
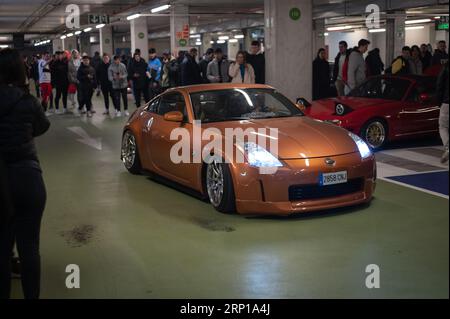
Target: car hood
(327, 106)
(298, 137)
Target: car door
(162, 144)
(420, 113)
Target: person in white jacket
(241, 71)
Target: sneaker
(83, 111)
(15, 268)
(58, 112)
(64, 111)
(106, 112)
(444, 158)
(126, 113)
(118, 114)
(48, 113)
(89, 114)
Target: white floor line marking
(94, 142)
(417, 157)
(385, 170)
(414, 187)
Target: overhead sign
(442, 23)
(98, 18)
(183, 35)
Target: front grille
(306, 192)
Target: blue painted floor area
(435, 181)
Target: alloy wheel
(215, 183)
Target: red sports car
(384, 108)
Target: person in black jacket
(190, 71)
(338, 76)
(375, 65)
(257, 60)
(60, 80)
(425, 56)
(105, 83)
(440, 56)
(321, 76)
(88, 82)
(442, 98)
(137, 73)
(22, 119)
(35, 74)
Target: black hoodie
(21, 120)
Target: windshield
(241, 104)
(382, 88)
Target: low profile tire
(130, 154)
(219, 187)
(375, 133)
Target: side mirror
(303, 101)
(174, 116)
(302, 104)
(424, 98)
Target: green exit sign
(442, 23)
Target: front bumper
(269, 194)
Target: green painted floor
(135, 238)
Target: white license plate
(333, 178)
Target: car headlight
(259, 157)
(363, 148)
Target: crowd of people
(62, 76)
(352, 66)
(351, 69)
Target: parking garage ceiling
(38, 17)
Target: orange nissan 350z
(284, 163)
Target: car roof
(215, 87)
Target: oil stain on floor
(79, 236)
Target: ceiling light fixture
(87, 29)
(340, 28)
(99, 26)
(417, 21)
(133, 16)
(377, 30)
(161, 8)
(415, 28)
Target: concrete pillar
(57, 45)
(179, 19)
(106, 40)
(19, 41)
(70, 43)
(139, 36)
(233, 49)
(289, 38)
(319, 35)
(85, 43)
(395, 35)
(206, 42)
